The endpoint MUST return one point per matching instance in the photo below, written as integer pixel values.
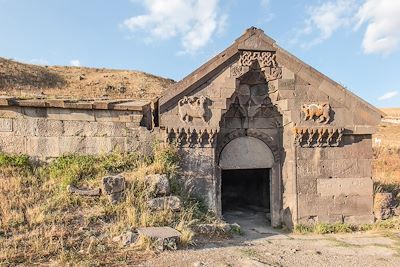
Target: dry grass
(27, 80)
(386, 164)
(41, 223)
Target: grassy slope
(26, 80)
(40, 222)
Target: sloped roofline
(202, 74)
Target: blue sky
(355, 42)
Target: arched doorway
(246, 164)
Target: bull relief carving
(318, 137)
(266, 61)
(191, 107)
(190, 137)
(318, 112)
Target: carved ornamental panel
(190, 137)
(266, 62)
(318, 136)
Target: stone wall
(43, 131)
(334, 183)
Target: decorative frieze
(266, 61)
(190, 137)
(318, 136)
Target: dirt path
(264, 246)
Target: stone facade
(316, 133)
(253, 106)
(45, 128)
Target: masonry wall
(334, 183)
(51, 132)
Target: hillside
(26, 80)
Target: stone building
(255, 125)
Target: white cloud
(327, 18)
(193, 21)
(383, 25)
(75, 63)
(36, 61)
(388, 95)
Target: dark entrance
(245, 189)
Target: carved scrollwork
(190, 137)
(320, 112)
(266, 61)
(318, 136)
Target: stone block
(286, 94)
(159, 184)
(286, 84)
(118, 116)
(114, 186)
(359, 219)
(334, 91)
(227, 92)
(35, 112)
(12, 144)
(339, 168)
(345, 186)
(44, 147)
(25, 126)
(11, 112)
(353, 205)
(173, 203)
(46, 127)
(70, 114)
(6, 125)
(287, 74)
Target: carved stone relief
(318, 136)
(266, 61)
(318, 112)
(190, 137)
(190, 107)
(250, 101)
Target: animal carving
(321, 111)
(192, 107)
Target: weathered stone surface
(114, 186)
(83, 192)
(165, 238)
(383, 205)
(173, 203)
(345, 186)
(215, 229)
(6, 125)
(359, 219)
(159, 183)
(126, 238)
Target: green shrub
(21, 161)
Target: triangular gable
(255, 40)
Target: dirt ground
(263, 246)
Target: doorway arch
(248, 174)
(246, 152)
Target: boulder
(114, 187)
(126, 239)
(383, 205)
(173, 203)
(159, 183)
